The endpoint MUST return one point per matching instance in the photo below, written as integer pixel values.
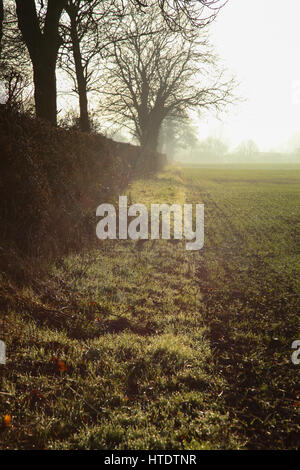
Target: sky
(259, 42)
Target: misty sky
(259, 41)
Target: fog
(258, 41)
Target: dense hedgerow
(52, 180)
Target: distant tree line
(183, 142)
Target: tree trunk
(81, 79)
(43, 49)
(44, 78)
(149, 140)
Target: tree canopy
(93, 39)
(157, 73)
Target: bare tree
(247, 149)
(91, 27)
(43, 42)
(72, 57)
(41, 36)
(155, 76)
(198, 13)
(15, 64)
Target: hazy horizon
(258, 41)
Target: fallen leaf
(61, 366)
(7, 421)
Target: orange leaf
(7, 421)
(61, 366)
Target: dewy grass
(149, 346)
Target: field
(149, 346)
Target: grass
(129, 346)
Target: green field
(149, 346)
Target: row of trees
(183, 143)
(149, 61)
